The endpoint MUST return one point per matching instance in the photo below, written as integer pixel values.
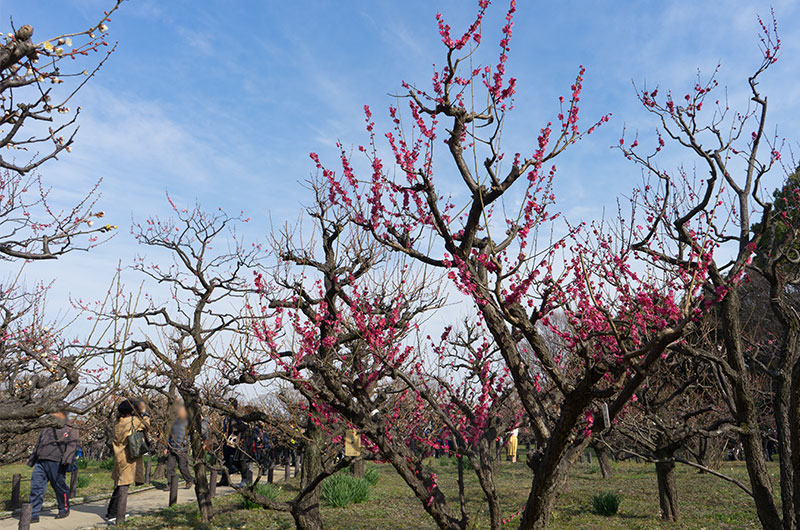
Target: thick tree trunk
(486, 480)
(201, 489)
(747, 414)
(306, 512)
(550, 468)
(604, 460)
(667, 487)
(794, 429)
(782, 405)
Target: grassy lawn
(706, 502)
(95, 481)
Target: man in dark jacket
(54, 452)
(178, 448)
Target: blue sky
(221, 101)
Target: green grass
(705, 502)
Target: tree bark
(667, 487)
(550, 467)
(201, 488)
(358, 468)
(746, 412)
(604, 460)
(306, 512)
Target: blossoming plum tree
(691, 216)
(621, 314)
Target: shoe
(62, 515)
(189, 485)
(223, 483)
(34, 520)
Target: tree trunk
(486, 480)
(667, 488)
(782, 405)
(604, 460)
(550, 468)
(746, 412)
(358, 468)
(794, 427)
(306, 512)
(201, 489)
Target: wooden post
(173, 489)
(270, 474)
(147, 467)
(297, 463)
(25, 517)
(580, 458)
(122, 504)
(286, 471)
(73, 484)
(15, 498)
(589, 456)
(212, 483)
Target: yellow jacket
(124, 472)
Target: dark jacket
(56, 445)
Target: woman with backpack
(129, 447)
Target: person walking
(232, 430)
(129, 419)
(53, 453)
(178, 448)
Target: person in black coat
(53, 453)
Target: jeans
(179, 458)
(44, 472)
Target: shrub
(264, 489)
(83, 480)
(81, 463)
(371, 475)
(108, 463)
(342, 489)
(606, 503)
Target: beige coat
(124, 472)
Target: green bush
(81, 463)
(606, 503)
(83, 480)
(108, 463)
(342, 489)
(371, 475)
(264, 489)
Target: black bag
(136, 444)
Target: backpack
(136, 445)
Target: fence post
(212, 483)
(25, 517)
(286, 471)
(270, 473)
(73, 484)
(15, 498)
(173, 489)
(297, 463)
(147, 466)
(122, 504)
